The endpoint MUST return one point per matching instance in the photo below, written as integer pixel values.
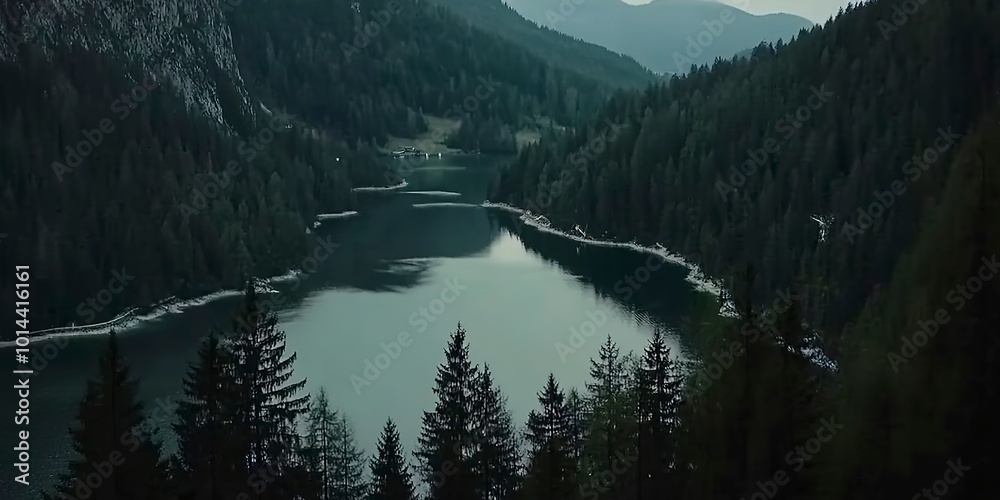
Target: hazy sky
(813, 10)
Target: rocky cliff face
(185, 43)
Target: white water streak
(401, 185)
(129, 319)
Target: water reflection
(649, 289)
(526, 291)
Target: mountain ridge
(563, 50)
(654, 32)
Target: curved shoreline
(171, 305)
(695, 275)
(129, 319)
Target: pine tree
(577, 416)
(447, 439)
(496, 457)
(348, 465)
(318, 447)
(390, 475)
(659, 398)
(210, 461)
(269, 405)
(552, 473)
(609, 445)
(117, 454)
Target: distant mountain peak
(661, 33)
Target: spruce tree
(210, 463)
(117, 454)
(447, 439)
(269, 404)
(577, 416)
(609, 446)
(496, 454)
(552, 473)
(390, 475)
(659, 398)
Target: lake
(417, 260)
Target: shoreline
(171, 305)
(696, 276)
(129, 319)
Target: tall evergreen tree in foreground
(447, 439)
(319, 443)
(209, 460)
(610, 441)
(577, 415)
(659, 397)
(552, 473)
(390, 475)
(496, 455)
(269, 402)
(348, 464)
(117, 456)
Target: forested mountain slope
(133, 147)
(371, 68)
(666, 36)
(730, 164)
(185, 43)
(922, 363)
(564, 51)
(94, 189)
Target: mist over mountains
(667, 36)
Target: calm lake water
(517, 291)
